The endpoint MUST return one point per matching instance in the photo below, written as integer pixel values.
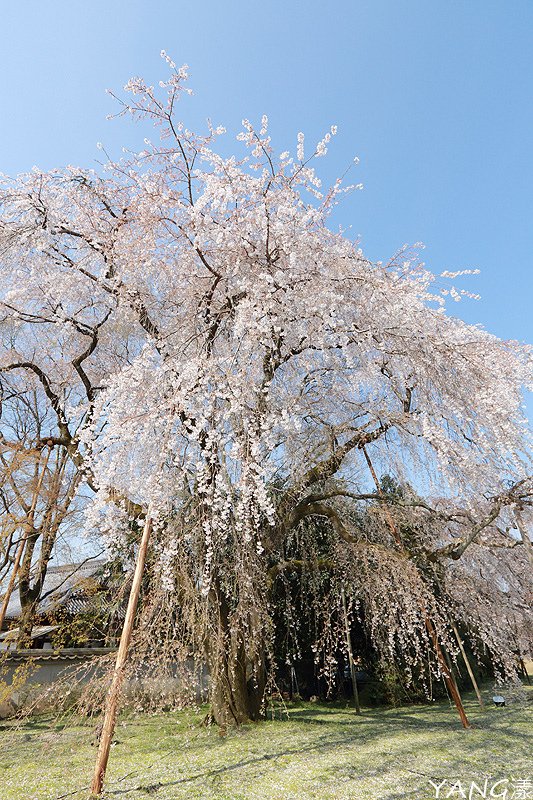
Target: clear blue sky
(434, 97)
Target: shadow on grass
(394, 736)
(373, 724)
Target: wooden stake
(467, 663)
(446, 674)
(113, 695)
(350, 654)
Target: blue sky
(434, 98)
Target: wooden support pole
(467, 664)
(350, 654)
(450, 670)
(23, 540)
(446, 673)
(524, 533)
(524, 670)
(113, 695)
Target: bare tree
(38, 486)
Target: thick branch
(325, 469)
(49, 392)
(297, 564)
(305, 509)
(456, 549)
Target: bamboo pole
(467, 663)
(446, 674)
(23, 540)
(113, 695)
(350, 654)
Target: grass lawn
(320, 751)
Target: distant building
(75, 617)
(69, 591)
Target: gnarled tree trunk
(237, 685)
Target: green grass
(320, 751)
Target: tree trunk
(237, 687)
(28, 595)
(234, 699)
(27, 620)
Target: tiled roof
(37, 632)
(67, 654)
(63, 586)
